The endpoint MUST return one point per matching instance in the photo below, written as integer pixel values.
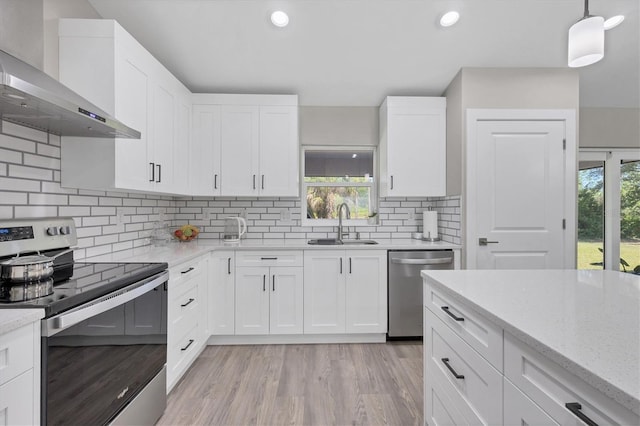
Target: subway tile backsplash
(110, 221)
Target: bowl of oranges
(186, 233)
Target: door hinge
(564, 144)
(564, 223)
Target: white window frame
(611, 158)
(303, 190)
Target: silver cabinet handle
(262, 181)
(229, 266)
(391, 181)
(274, 282)
(482, 241)
(254, 181)
(439, 261)
(264, 283)
(215, 181)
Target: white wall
(338, 125)
(609, 127)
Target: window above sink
(335, 175)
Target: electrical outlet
(285, 215)
(119, 216)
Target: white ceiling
(355, 52)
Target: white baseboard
(285, 339)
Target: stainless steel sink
(336, 242)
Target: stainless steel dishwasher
(405, 288)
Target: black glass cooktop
(88, 281)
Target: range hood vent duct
(31, 98)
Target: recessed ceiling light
(279, 19)
(354, 155)
(613, 22)
(449, 18)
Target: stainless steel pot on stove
(35, 267)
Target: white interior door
(517, 185)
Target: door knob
(483, 241)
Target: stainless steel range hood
(31, 98)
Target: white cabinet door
(239, 140)
(286, 300)
(17, 402)
(205, 171)
(133, 100)
(163, 133)
(252, 300)
(222, 294)
(324, 292)
(366, 291)
(520, 410)
(413, 147)
(182, 145)
(279, 151)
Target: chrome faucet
(341, 233)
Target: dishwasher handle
(436, 261)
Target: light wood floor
(358, 384)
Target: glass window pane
(591, 215)
(323, 201)
(630, 216)
(338, 164)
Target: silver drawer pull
(445, 361)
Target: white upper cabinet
(413, 147)
(247, 145)
(102, 62)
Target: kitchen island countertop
(586, 321)
(11, 319)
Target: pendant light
(586, 40)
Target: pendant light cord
(586, 8)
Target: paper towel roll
(430, 224)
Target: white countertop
(10, 319)
(586, 321)
(175, 253)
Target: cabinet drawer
(16, 401)
(269, 258)
(16, 352)
(520, 410)
(181, 352)
(184, 272)
(480, 333)
(551, 387)
(183, 312)
(440, 409)
(477, 383)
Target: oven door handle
(56, 324)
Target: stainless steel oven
(104, 332)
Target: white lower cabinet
(187, 325)
(345, 291)
(20, 376)
(520, 410)
(465, 381)
(222, 297)
(269, 300)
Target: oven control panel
(36, 234)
